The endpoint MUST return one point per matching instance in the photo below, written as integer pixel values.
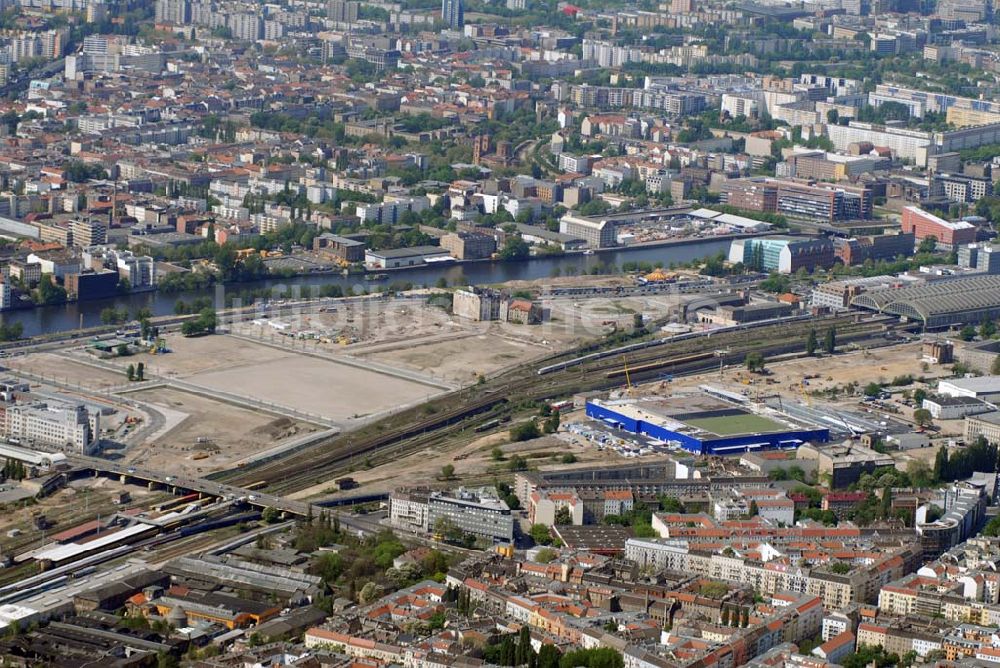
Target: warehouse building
(954, 408)
(597, 233)
(259, 582)
(405, 257)
(938, 304)
(986, 388)
(704, 425)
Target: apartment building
(89, 232)
(819, 200)
(982, 257)
(469, 245)
(390, 212)
(961, 188)
(836, 591)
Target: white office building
(66, 426)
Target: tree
(745, 618)
(496, 454)
(551, 424)
(967, 333)
(270, 515)
(447, 472)
(811, 342)
(928, 244)
(540, 534)
(548, 656)
(754, 510)
(724, 620)
(755, 362)
(130, 372)
(885, 503)
(920, 473)
(923, 417)
(49, 292)
(941, 468)
(830, 341)
(369, 593)
(524, 432)
(563, 516)
(515, 248)
(873, 389)
(671, 504)
(140, 371)
(919, 395)
(122, 350)
(205, 323)
(987, 328)
(517, 463)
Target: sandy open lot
(63, 369)
(585, 318)
(462, 359)
(228, 433)
(316, 386)
(473, 462)
(862, 367)
(337, 328)
(202, 353)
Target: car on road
(131, 469)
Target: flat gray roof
(396, 253)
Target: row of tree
(980, 456)
(13, 469)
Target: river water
(59, 318)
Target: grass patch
(731, 425)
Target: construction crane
(628, 381)
(851, 430)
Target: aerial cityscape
(514, 333)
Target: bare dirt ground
(589, 317)
(463, 359)
(201, 354)
(879, 365)
(61, 368)
(317, 386)
(473, 462)
(227, 433)
(337, 328)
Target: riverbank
(585, 253)
(86, 315)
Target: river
(49, 319)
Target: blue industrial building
(700, 441)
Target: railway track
(181, 547)
(417, 428)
